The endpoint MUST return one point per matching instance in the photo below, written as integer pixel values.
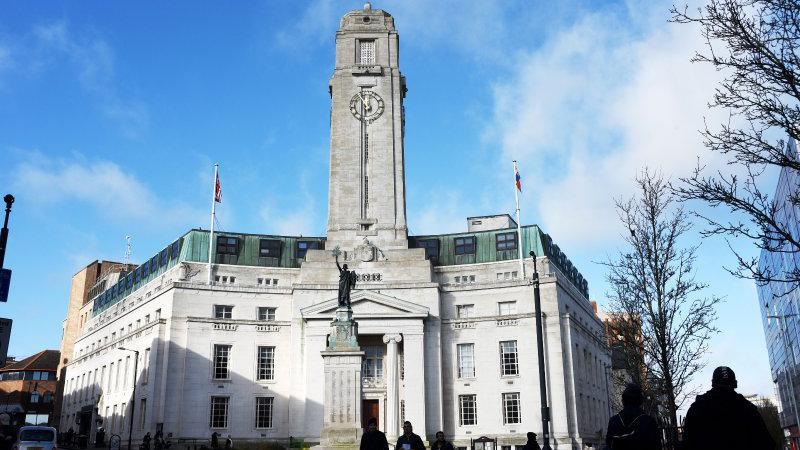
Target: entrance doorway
(370, 409)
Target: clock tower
(366, 196)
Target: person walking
(532, 444)
(215, 440)
(723, 419)
(408, 440)
(632, 428)
(373, 438)
(440, 443)
(229, 443)
(146, 441)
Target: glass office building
(780, 307)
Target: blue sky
(111, 116)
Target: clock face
(366, 106)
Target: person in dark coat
(373, 438)
(723, 419)
(409, 440)
(532, 444)
(632, 428)
(440, 443)
(8, 435)
(215, 440)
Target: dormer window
(366, 52)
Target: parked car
(36, 438)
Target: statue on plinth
(347, 280)
(344, 330)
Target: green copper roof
(289, 251)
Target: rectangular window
(223, 311)
(506, 241)
(508, 358)
(264, 412)
(372, 366)
(266, 363)
(431, 247)
(110, 374)
(467, 410)
(176, 249)
(511, 408)
(366, 52)
(266, 313)
(142, 413)
(114, 419)
(221, 359)
(305, 246)
(145, 365)
(465, 311)
(269, 248)
(125, 375)
(164, 256)
(507, 308)
(227, 250)
(466, 360)
(219, 412)
(465, 245)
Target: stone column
(392, 386)
(341, 424)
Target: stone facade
(447, 346)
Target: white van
(36, 438)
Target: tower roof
(367, 20)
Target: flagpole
(519, 223)
(213, 212)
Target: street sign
(5, 282)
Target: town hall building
(446, 322)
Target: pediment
(368, 304)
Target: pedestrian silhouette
(373, 438)
(440, 443)
(632, 429)
(532, 444)
(723, 419)
(409, 440)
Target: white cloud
(596, 103)
(103, 185)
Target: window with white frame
(466, 360)
(465, 311)
(266, 363)
(222, 355)
(264, 407)
(366, 52)
(511, 408)
(467, 410)
(219, 412)
(145, 365)
(223, 311)
(506, 308)
(266, 313)
(142, 413)
(508, 358)
(372, 366)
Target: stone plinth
(344, 331)
(341, 428)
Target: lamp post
(788, 349)
(9, 199)
(540, 350)
(133, 397)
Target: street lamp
(540, 349)
(788, 349)
(133, 397)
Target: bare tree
(756, 45)
(653, 279)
